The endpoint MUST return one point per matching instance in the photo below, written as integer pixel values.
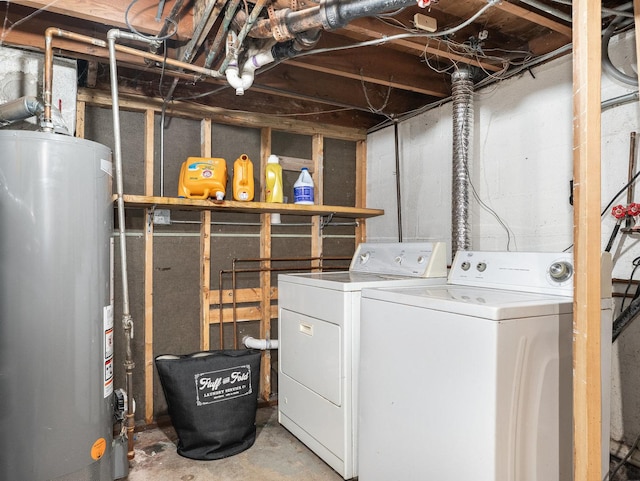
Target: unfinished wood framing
(317, 155)
(361, 187)
(265, 275)
(210, 312)
(80, 110)
(205, 247)
(587, 388)
(148, 268)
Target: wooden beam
(308, 84)
(205, 248)
(375, 65)
(222, 116)
(81, 107)
(295, 163)
(149, 150)
(368, 28)
(533, 17)
(149, 128)
(112, 12)
(587, 388)
(242, 314)
(317, 149)
(265, 276)
(361, 189)
(248, 294)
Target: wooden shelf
(141, 201)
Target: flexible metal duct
(462, 95)
(25, 107)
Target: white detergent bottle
(303, 188)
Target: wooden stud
(317, 155)
(295, 163)
(265, 276)
(205, 248)
(361, 188)
(149, 133)
(148, 269)
(587, 401)
(80, 111)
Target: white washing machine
(473, 380)
(319, 334)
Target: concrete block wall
(21, 74)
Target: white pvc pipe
(242, 78)
(261, 344)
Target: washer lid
(355, 281)
(492, 304)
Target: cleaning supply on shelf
(303, 188)
(274, 191)
(203, 177)
(243, 179)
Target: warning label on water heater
(222, 385)
(107, 317)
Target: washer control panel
(407, 259)
(543, 272)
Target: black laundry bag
(212, 398)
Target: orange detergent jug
(203, 177)
(243, 179)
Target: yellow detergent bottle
(243, 179)
(273, 190)
(273, 180)
(203, 177)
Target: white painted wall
(21, 74)
(521, 166)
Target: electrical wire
(609, 476)
(385, 39)
(619, 193)
(636, 264)
(488, 209)
(148, 37)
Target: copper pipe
(220, 310)
(261, 259)
(233, 271)
(48, 63)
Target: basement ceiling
(365, 64)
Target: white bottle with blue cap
(303, 188)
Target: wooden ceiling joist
(534, 17)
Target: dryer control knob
(465, 266)
(561, 271)
(481, 266)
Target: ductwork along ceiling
(355, 63)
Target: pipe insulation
(261, 344)
(462, 96)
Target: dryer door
(312, 354)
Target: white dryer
(319, 334)
(473, 380)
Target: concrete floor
(276, 455)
